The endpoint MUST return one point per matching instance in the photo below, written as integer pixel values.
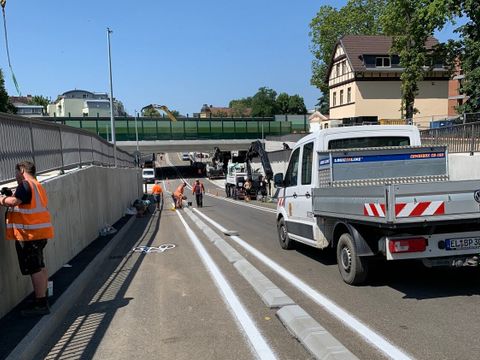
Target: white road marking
(250, 330)
(348, 319)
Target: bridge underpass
(203, 145)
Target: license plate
(462, 243)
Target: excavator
(239, 172)
(163, 108)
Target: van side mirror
(278, 180)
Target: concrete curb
(318, 341)
(38, 336)
(271, 295)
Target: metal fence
(161, 128)
(458, 138)
(52, 147)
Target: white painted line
(256, 339)
(348, 319)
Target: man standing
(198, 190)
(157, 193)
(28, 223)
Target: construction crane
(163, 108)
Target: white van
(148, 175)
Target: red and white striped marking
(424, 208)
(281, 202)
(375, 210)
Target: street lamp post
(136, 129)
(112, 120)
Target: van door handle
(294, 195)
(307, 195)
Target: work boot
(39, 308)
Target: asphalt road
(166, 305)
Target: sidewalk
(149, 305)
(14, 327)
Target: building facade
(75, 103)
(24, 107)
(364, 81)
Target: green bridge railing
(185, 128)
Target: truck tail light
(415, 244)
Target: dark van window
(292, 171)
(367, 142)
(307, 163)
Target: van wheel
(285, 242)
(353, 268)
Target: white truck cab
(294, 208)
(374, 192)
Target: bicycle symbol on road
(153, 249)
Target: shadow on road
(84, 329)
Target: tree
(240, 107)
(358, 17)
(411, 22)
(40, 100)
(470, 54)
(151, 112)
(296, 105)
(5, 105)
(264, 102)
(283, 103)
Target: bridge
(161, 128)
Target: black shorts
(157, 198)
(30, 255)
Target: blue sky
(177, 53)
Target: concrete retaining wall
(464, 166)
(81, 203)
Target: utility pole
(112, 120)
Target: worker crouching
(178, 196)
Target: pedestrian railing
(159, 128)
(52, 147)
(459, 138)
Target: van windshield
(147, 172)
(366, 142)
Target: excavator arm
(256, 150)
(163, 108)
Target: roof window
(382, 61)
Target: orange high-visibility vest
(156, 189)
(32, 221)
(179, 191)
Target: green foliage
(357, 17)
(5, 104)
(264, 102)
(470, 55)
(40, 100)
(283, 100)
(287, 104)
(151, 112)
(240, 106)
(412, 21)
(296, 105)
(323, 104)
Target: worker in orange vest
(157, 193)
(178, 195)
(198, 190)
(28, 222)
